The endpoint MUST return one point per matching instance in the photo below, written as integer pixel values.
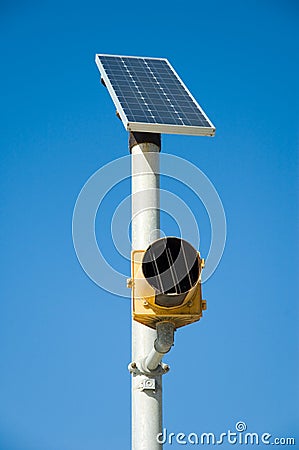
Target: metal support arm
(152, 365)
(162, 345)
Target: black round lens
(171, 266)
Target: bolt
(133, 365)
(129, 283)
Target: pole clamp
(137, 368)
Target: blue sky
(61, 387)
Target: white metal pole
(146, 403)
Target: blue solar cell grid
(149, 92)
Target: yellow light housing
(166, 283)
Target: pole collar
(136, 138)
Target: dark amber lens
(171, 266)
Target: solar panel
(150, 97)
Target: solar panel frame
(154, 127)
